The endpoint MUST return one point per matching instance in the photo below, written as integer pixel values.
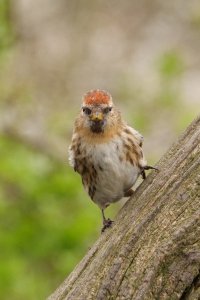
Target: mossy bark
(153, 249)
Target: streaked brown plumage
(105, 151)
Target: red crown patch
(97, 97)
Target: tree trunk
(153, 249)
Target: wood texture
(153, 249)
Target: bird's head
(98, 113)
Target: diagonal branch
(153, 249)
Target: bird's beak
(97, 117)
(97, 122)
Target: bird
(106, 151)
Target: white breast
(115, 176)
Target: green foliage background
(47, 222)
(44, 220)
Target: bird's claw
(129, 193)
(150, 168)
(147, 168)
(106, 224)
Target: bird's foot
(129, 193)
(150, 168)
(106, 224)
(143, 174)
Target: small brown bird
(105, 151)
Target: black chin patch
(97, 126)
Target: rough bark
(153, 249)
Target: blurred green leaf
(44, 219)
(171, 65)
(6, 32)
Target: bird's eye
(107, 109)
(87, 110)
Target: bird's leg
(143, 174)
(106, 222)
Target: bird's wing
(71, 156)
(139, 138)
